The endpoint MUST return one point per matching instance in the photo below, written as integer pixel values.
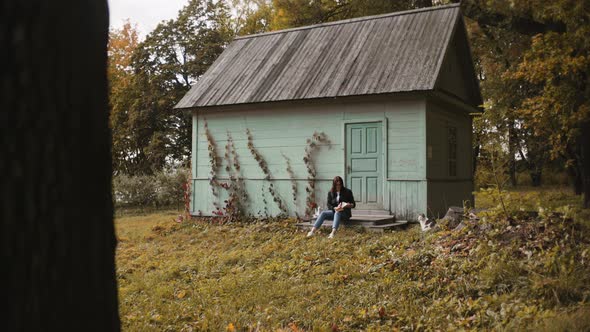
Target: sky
(145, 13)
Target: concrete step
(370, 212)
(357, 219)
(371, 227)
(371, 219)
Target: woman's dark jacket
(345, 196)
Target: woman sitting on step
(340, 201)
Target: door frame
(384, 135)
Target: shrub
(134, 190)
(170, 189)
(164, 188)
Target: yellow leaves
(293, 327)
(231, 327)
(122, 44)
(181, 294)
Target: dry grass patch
(268, 276)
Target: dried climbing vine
(313, 144)
(267, 176)
(187, 191)
(235, 205)
(293, 180)
(215, 163)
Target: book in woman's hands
(341, 206)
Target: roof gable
(389, 53)
(457, 75)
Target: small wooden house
(383, 101)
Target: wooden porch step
(369, 226)
(361, 220)
(370, 212)
(370, 220)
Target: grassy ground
(525, 273)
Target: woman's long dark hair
(336, 180)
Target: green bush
(164, 188)
(171, 187)
(134, 190)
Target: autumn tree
(122, 96)
(294, 13)
(251, 16)
(557, 66)
(534, 57)
(149, 135)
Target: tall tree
(148, 133)
(122, 93)
(294, 13)
(549, 75)
(558, 112)
(251, 16)
(56, 224)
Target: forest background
(532, 60)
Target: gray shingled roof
(388, 53)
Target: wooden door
(364, 175)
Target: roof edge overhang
(403, 95)
(451, 99)
(438, 95)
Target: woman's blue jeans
(328, 215)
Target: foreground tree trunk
(56, 229)
(585, 162)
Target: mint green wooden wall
(445, 190)
(284, 128)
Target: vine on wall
(215, 163)
(235, 205)
(267, 176)
(187, 190)
(293, 181)
(313, 144)
(264, 203)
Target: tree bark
(475, 157)
(56, 223)
(575, 179)
(584, 145)
(536, 175)
(512, 142)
